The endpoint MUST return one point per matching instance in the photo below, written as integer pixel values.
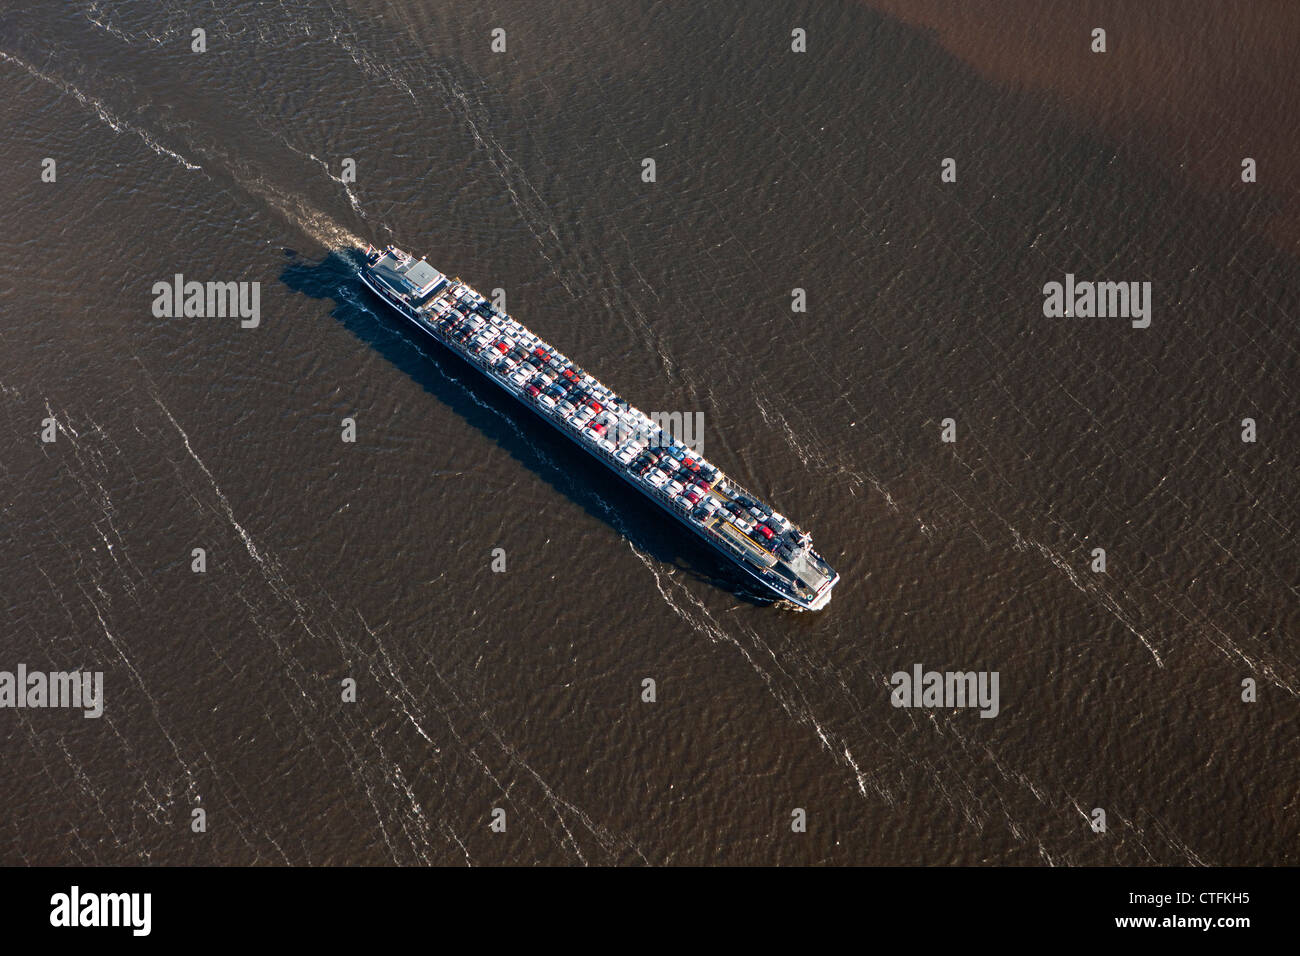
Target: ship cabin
(412, 279)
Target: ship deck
(606, 426)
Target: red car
(534, 391)
(765, 531)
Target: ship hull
(817, 604)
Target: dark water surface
(521, 690)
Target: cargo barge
(764, 544)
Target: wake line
(115, 123)
(314, 223)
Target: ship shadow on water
(585, 483)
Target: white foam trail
(115, 123)
(320, 226)
(413, 822)
(347, 190)
(193, 788)
(93, 13)
(311, 221)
